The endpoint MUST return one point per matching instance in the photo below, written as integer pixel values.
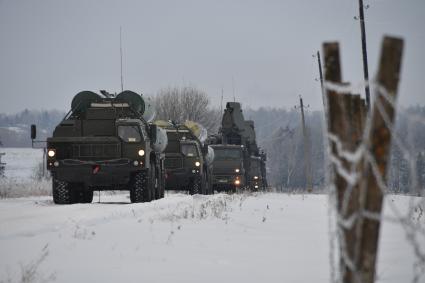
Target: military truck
(257, 178)
(188, 162)
(106, 143)
(235, 130)
(229, 172)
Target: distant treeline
(279, 132)
(15, 128)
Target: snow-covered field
(265, 237)
(221, 238)
(21, 162)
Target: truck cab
(186, 164)
(229, 171)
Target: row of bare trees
(187, 103)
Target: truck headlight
(197, 163)
(51, 153)
(141, 152)
(237, 170)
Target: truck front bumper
(228, 180)
(180, 179)
(96, 173)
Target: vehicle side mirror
(33, 132)
(153, 129)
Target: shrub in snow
(12, 188)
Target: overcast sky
(50, 50)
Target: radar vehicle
(106, 142)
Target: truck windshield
(129, 133)
(226, 153)
(189, 150)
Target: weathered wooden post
(377, 151)
(358, 178)
(345, 128)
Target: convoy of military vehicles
(111, 142)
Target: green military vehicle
(229, 172)
(106, 143)
(188, 163)
(240, 133)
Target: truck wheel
(196, 186)
(82, 194)
(139, 192)
(87, 196)
(204, 185)
(152, 183)
(159, 191)
(62, 192)
(161, 181)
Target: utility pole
(364, 52)
(319, 62)
(233, 87)
(221, 102)
(307, 159)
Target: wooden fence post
(378, 150)
(340, 127)
(359, 193)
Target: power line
(364, 53)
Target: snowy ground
(220, 238)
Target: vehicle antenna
(122, 80)
(233, 87)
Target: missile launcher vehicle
(188, 161)
(106, 143)
(237, 131)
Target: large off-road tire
(139, 191)
(232, 189)
(196, 186)
(62, 192)
(81, 194)
(204, 185)
(152, 182)
(161, 183)
(210, 184)
(86, 196)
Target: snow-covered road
(220, 238)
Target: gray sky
(50, 50)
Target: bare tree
(187, 103)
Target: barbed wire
(413, 228)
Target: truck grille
(173, 163)
(82, 151)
